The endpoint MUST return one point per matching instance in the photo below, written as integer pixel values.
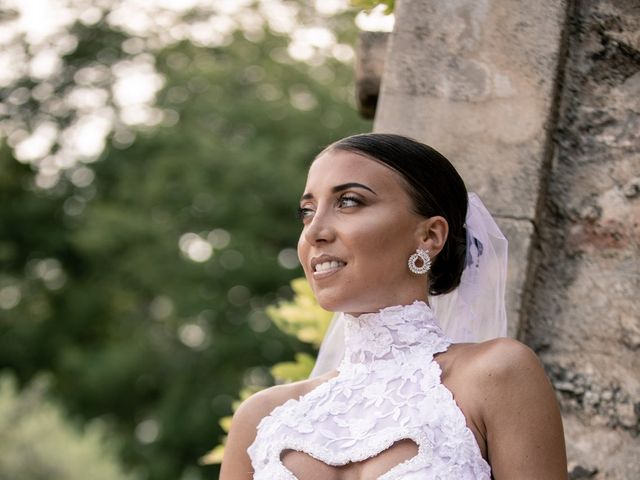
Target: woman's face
(359, 230)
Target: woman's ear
(433, 233)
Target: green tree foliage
(301, 317)
(38, 442)
(389, 5)
(139, 278)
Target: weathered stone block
(584, 315)
(475, 79)
(370, 56)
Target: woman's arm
(520, 412)
(236, 464)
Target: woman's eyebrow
(339, 188)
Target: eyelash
(303, 212)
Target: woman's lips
(327, 269)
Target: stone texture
(370, 56)
(583, 314)
(475, 79)
(557, 158)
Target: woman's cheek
(303, 254)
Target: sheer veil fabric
(473, 312)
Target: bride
(417, 384)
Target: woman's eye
(349, 202)
(303, 213)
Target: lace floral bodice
(388, 389)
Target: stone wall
(584, 305)
(475, 79)
(538, 105)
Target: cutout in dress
(298, 462)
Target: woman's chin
(342, 304)
(330, 306)
(331, 303)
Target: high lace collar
(388, 389)
(393, 333)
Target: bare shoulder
(236, 464)
(259, 405)
(517, 408)
(498, 348)
(485, 375)
(496, 360)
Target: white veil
(473, 312)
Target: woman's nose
(320, 229)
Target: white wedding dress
(388, 389)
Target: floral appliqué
(388, 389)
